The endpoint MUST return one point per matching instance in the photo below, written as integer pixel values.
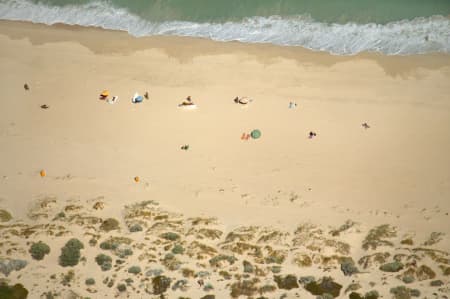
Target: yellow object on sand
(43, 173)
(105, 93)
(136, 179)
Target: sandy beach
(395, 173)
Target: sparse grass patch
(171, 236)
(377, 237)
(5, 216)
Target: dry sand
(396, 172)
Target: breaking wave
(416, 36)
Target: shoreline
(203, 46)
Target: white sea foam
(417, 36)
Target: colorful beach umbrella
(255, 134)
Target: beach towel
(113, 100)
(187, 106)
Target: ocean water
(340, 27)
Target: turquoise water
(342, 27)
(341, 11)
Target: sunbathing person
(104, 95)
(187, 102)
(242, 100)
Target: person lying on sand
(312, 135)
(187, 102)
(104, 95)
(365, 126)
(242, 100)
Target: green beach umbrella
(255, 134)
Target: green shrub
(134, 269)
(103, 258)
(275, 269)
(109, 245)
(392, 267)
(109, 225)
(355, 295)
(215, 261)
(135, 228)
(121, 287)
(436, 283)
(160, 284)
(177, 249)
(39, 250)
(14, 292)
(129, 281)
(372, 295)
(125, 252)
(170, 236)
(408, 279)
(225, 275)
(248, 267)
(348, 267)
(5, 216)
(286, 282)
(106, 266)
(267, 288)
(104, 261)
(90, 281)
(208, 287)
(70, 253)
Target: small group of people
(135, 99)
(105, 97)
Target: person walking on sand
(200, 282)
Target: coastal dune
(395, 172)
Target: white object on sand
(188, 107)
(113, 100)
